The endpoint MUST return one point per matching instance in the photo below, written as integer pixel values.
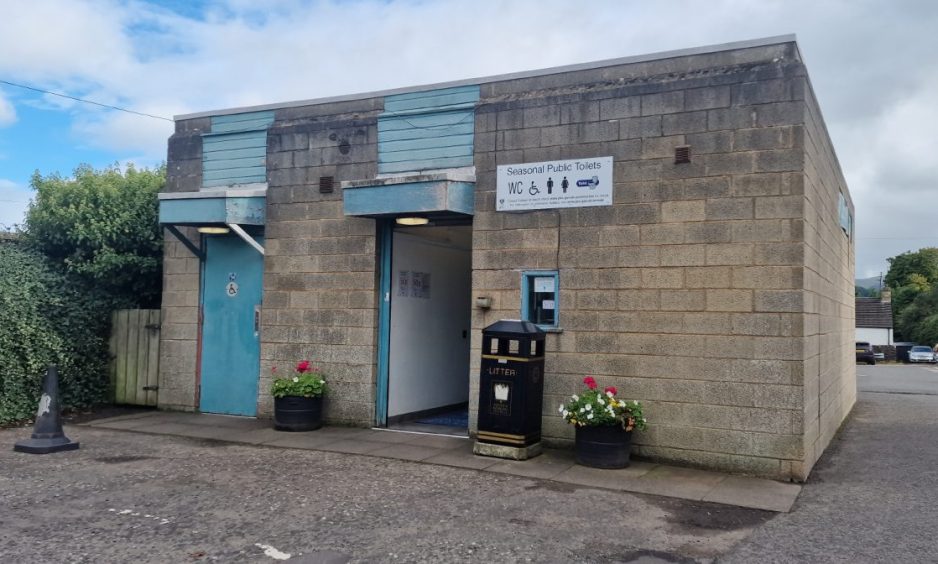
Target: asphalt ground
(873, 496)
(127, 497)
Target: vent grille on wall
(682, 154)
(326, 184)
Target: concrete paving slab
(671, 481)
(231, 422)
(353, 447)
(311, 440)
(122, 424)
(755, 493)
(389, 437)
(140, 415)
(406, 452)
(617, 479)
(438, 441)
(554, 464)
(545, 466)
(162, 428)
(215, 433)
(462, 458)
(258, 436)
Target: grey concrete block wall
(179, 325)
(830, 370)
(320, 274)
(180, 303)
(690, 291)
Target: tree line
(913, 278)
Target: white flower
(576, 397)
(609, 394)
(589, 407)
(600, 400)
(590, 416)
(561, 408)
(582, 409)
(296, 378)
(565, 413)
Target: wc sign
(554, 184)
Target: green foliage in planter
(593, 408)
(306, 381)
(103, 226)
(48, 317)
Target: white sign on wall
(554, 184)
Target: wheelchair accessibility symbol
(231, 289)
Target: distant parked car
(879, 355)
(921, 353)
(865, 353)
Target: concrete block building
(678, 223)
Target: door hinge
(151, 388)
(152, 326)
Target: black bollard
(47, 432)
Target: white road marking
(273, 552)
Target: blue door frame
(385, 237)
(232, 288)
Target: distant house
(874, 320)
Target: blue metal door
(232, 287)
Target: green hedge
(48, 317)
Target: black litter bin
(511, 384)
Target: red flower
(590, 382)
(302, 366)
(611, 390)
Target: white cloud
(7, 111)
(866, 64)
(13, 201)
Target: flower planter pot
(603, 447)
(296, 413)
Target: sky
(872, 65)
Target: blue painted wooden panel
(411, 197)
(232, 141)
(432, 164)
(427, 130)
(226, 164)
(432, 98)
(235, 152)
(230, 344)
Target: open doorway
(430, 318)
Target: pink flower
(302, 366)
(611, 390)
(590, 382)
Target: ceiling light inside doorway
(213, 230)
(412, 221)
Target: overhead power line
(84, 101)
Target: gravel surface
(145, 498)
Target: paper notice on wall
(543, 283)
(547, 304)
(420, 285)
(412, 284)
(403, 284)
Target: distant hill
(872, 283)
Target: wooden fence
(135, 356)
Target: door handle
(257, 320)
